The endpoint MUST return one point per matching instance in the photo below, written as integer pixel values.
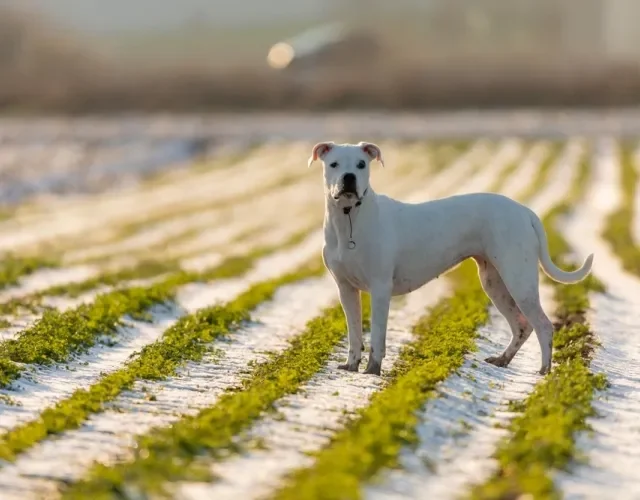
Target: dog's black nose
(349, 183)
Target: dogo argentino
(386, 247)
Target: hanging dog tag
(352, 244)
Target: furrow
(520, 179)
(543, 433)
(305, 421)
(563, 173)
(237, 194)
(508, 152)
(612, 459)
(43, 386)
(30, 274)
(56, 336)
(458, 171)
(509, 168)
(63, 297)
(100, 213)
(317, 410)
(274, 230)
(258, 215)
(460, 428)
(542, 173)
(42, 279)
(373, 440)
(112, 433)
(171, 453)
(188, 291)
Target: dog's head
(346, 169)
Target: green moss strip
(143, 270)
(57, 335)
(541, 438)
(172, 453)
(188, 340)
(13, 268)
(619, 224)
(447, 151)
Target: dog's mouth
(346, 194)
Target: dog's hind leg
(351, 305)
(503, 301)
(519, 272)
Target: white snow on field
(109, 435)
(17, 324)
(612, 450)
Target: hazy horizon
(123, 15)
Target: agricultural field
(168, 329)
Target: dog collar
(347, 212)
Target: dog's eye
(361, 164)
(334, 164)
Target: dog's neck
(343, 220)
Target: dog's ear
(319, 150)
(372, 150)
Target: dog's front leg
(380, 303)
(350, 300)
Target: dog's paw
(544, 370)
(350, 367)
(497, 361)
(373, 367)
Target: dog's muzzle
(347, 186)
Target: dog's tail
(550, 269)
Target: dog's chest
(348, 264)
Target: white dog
(386, 247)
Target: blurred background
(86, 56)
